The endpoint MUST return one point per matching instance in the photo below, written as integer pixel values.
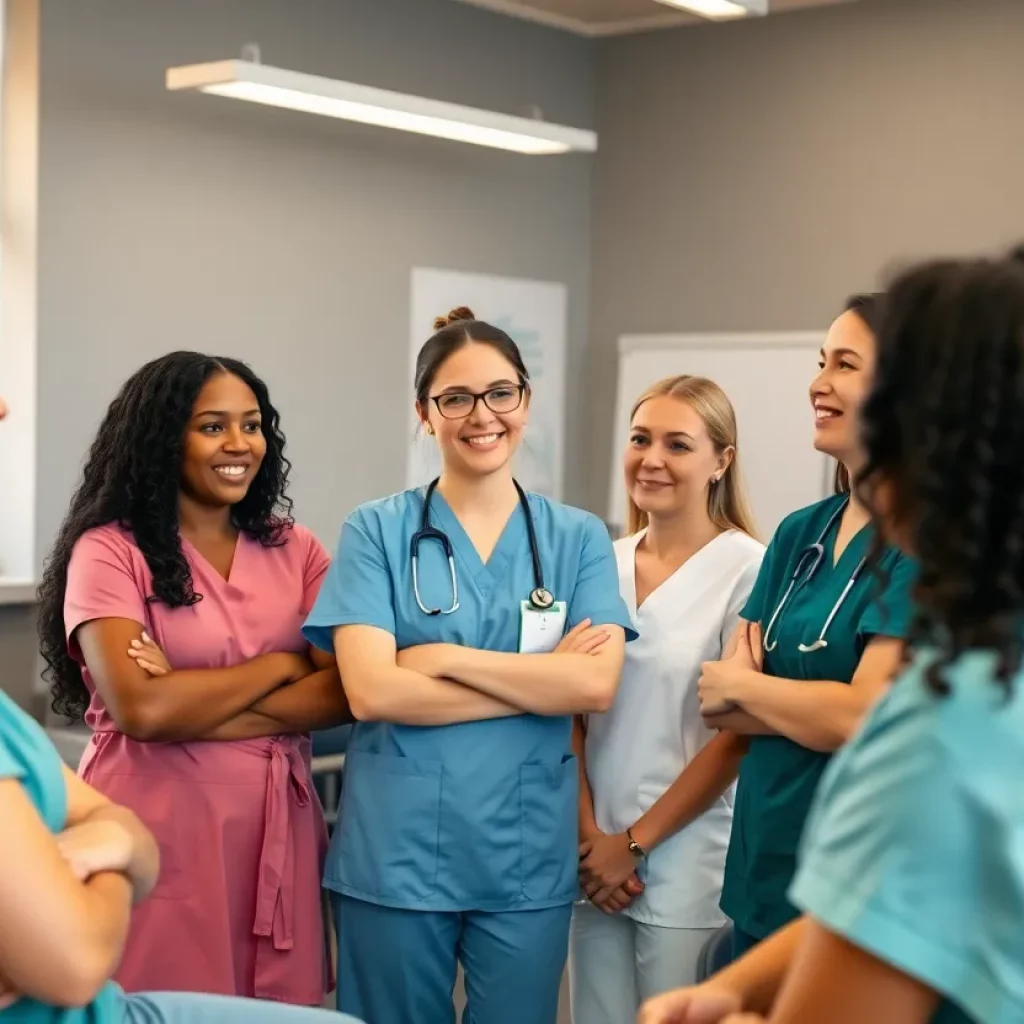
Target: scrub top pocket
(550, 834)
(389, 825)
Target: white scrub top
(638, 748)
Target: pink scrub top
(238, 909)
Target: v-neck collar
(198, 556)
(858, 542)
(695, 558)
(484, 573)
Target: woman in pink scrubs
(170, 615)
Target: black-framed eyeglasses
(457, 405)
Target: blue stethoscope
(807, 565)
(540, 597)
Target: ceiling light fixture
(259, 83)
(720, 10)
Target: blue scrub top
(28, 756)
(778, 777)
(473, 816)
(915, 846)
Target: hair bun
(459, 313)
(1016, 255)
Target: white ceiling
(612, 17)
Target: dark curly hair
(131, 477)
(944, 431)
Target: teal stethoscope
(541, 599)
(807, 565)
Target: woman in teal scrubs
(824, 641)
(448, 608)
(912, 869)
(71, 865)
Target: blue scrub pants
(400, 966)
(193, 1008)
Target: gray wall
(171, 220)
(753, 174)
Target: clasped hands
(720, 685)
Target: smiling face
(670, 460)
(224, 444)
(476, 439)
(837, 393)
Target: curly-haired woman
(170, 615)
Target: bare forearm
(409, 698)
(189, 704)
(316, 701)
(587, 818)
(543, 684)
(740, 723)
(757, 977)
(819, 715)
(699, 785)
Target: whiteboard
(767, 377)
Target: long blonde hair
(728, 505)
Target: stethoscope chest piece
(542, 599)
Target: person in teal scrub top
(824, 641)
(471, 621)
(71, 865)
(912, 870)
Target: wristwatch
(634, 847)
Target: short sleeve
(356, 588)
(10, 768)
(754, 609)
(596, 595)
(911, 855)
(890, 613)
(316, 562)
(102, 582)
(740, 599)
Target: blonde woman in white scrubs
(656, 785)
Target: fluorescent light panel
(720, 10)
(312, 94)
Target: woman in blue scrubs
(825, 639)
(912, 870)
(471, 621)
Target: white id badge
(540, 632)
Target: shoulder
(108, 542)
(746, 550)
(567, 518)
(297, 544)
(811, 519)
(380, 513)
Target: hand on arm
(747, 986)
(580, 675)
(63, 933)
(184, 705)
(818, 715)
(742, 656)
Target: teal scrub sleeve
(596, 594)
(357, 588)
(918, 858)
(757, 606)
(891, 612)
(9, 767)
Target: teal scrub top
(915, 846)
(473, 816)
(778, 777)
(28, 756)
